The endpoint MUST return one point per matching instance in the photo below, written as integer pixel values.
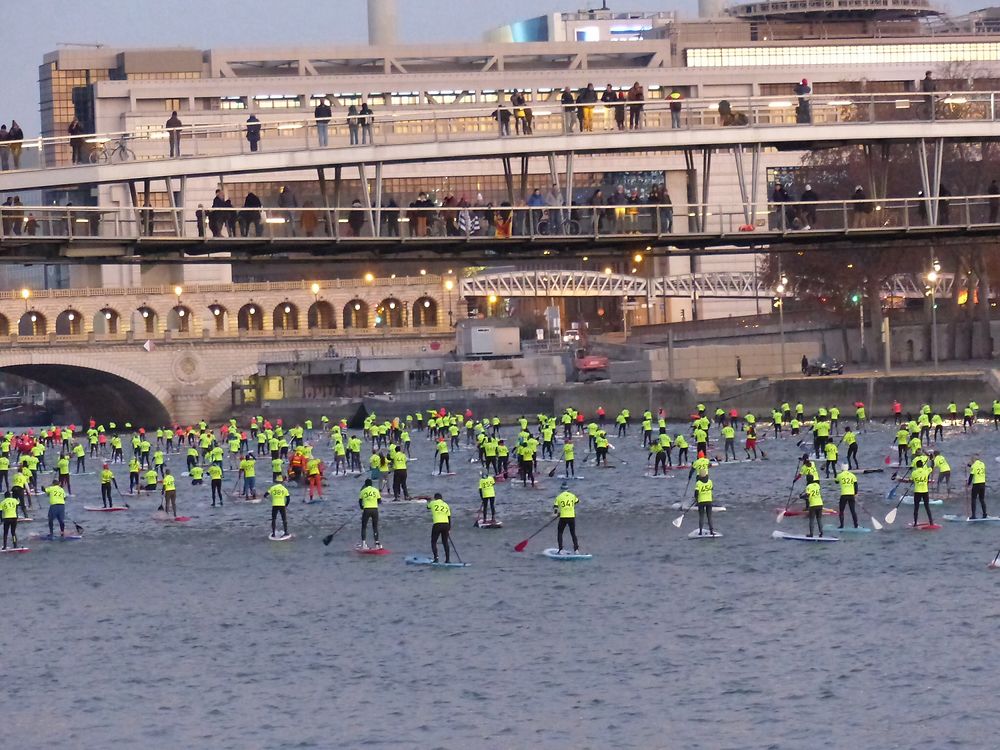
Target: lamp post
(449, 285)
(780, 302)
(932, 279)
(25, 295)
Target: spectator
(146, 213)
(860, 212)
(199, 219)
(675, 108)
(636, 97)
(517, 102)
(356, 218)
(803, 111)
(230, 216)
(367, 119)
(588, 97)
(253, 132)
(308, 219)
(503, 220)
(597, 213)
(288, 201)
(944, 206)
(217, 219)
(322, 114)
(75, 131)
(17, 216)
(632, 212)
(569, 106)
(31, 226)
(390, 217)
(928, 85)
(174, 126)
(619, 107)
(608, 99)
(250, 215)
(16, 136)
(502, 115)
(4, 149)
(353, 124)
(468, 222)
(5, 215)
(536, 204)
(618, 199)
(418, 221)
(730, 117)
(450, 216)
(805, 364)
(779, 196)
(994, 201)
(554, 202)
(809, 197)
(660, 198)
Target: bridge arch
(107, 320)
(425, 312)
(4, 326)
(69, 322)
(321, 315)
(32, 323)
(144, 320)
(389, 313)
(220, 317)
(180, 319)
(285, 316)
(250, 318)
(356, 314)
(94, 387)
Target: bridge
(161, 354)
(875, 122)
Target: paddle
(875, 522)
(121, 495)
(552, 473)
(455, 549)
(994, 563)
(680, 519)
(788, 502)
(329, 538)
(890, 517)
(520, 546)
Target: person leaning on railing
(173, 126)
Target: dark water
(208, 635)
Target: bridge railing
(233, 227)
(148, 139)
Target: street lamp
(932, 279)
(449, 285)
(25, 294)
(369, 277)
(780, 304)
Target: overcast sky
(31, 28)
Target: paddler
(368, 501)
(279, 501)
(565, 507)
(8, 511)
(848, 482)
(488, 494)
(814, 506)
(921, 475)
(703, 496)
(440, 526)
(107, 479)
(977, 483)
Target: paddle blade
(888, 460)
(327, 540)
(678, 521)
(553, 472)
(519, 547)
(781, 514)
(890, 517)
(875, 524)
(79, 528)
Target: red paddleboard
(924, 527)
(15, 549)
(179, 519)
(371, 551)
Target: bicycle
(568, 227)
(119, 151)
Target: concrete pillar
(382, 22)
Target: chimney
(382, 22)
(706, 8)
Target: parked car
(825, 366)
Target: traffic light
(855, 298)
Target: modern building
(750, 49)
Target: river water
(208, 635)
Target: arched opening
(32, 323)
(179, 319)
(250, 318)
(425, 313)
(285, 317)
(144, 320)
(69, 323)
(389, 313)
(321, 315)
(356, 314)
(96, 394)
(220, 316)
(106, 321)
(4, 326)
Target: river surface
(207, 635)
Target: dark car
(825, 366)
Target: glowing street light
(369, 277)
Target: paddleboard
(415, 560)
(284, 538)
(857, 530)
(313, 502)
(792, 513)
(25, 520)
(704, 534)
(966, 519)
(171, 519)
(553, 553)
(802, 537)
(908, 500)
(924, 526)
(563, 476)
(496, 524)
(658, 476)
(55, 538)
(93, 509)
(446, 474)
(371, 550)
(13, 550)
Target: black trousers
(567, 523)
(441, 531)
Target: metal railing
(234, 227)
(152, 140)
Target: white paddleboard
(715, 508)
(802, 537)
(554, 554)
(416, 560)
(966, 519)
(704, 534)
(908, 500)
(280, 538)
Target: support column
(524, 176)
(325, 196)
(183, 206)
(363, 176)
(508, 176)
(169, 182)
(706, 171)
(377, 226)
(694, 217)
(569, 183)
(742, 180)
(338, 183)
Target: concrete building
(754, 49)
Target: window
(847, 54)
(277, 101)
(232, 102)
